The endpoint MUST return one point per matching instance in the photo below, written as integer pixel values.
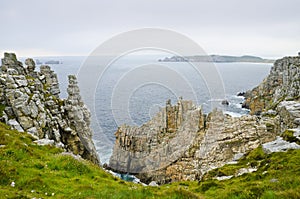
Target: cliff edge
(30, 103)
(282, 84)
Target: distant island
(38, 62)
(52, 62)
(216, 58)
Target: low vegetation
(31, 171)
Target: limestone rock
(44, 141)
(153, 184)
(279, 145)
(32, 104)
(14, 124)
(30, 65)
(182, 143)
(283, 83)
(80, 115)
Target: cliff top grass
(28, 170)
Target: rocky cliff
(278, 94)
(30, 103)
(282, 84)
(182, 143)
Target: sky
(268, 28)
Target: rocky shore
(182, 143)
(30, 103)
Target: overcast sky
(267, 28)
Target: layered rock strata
(282, 84)
(182, 143)
(31, 103)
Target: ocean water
(134, 87)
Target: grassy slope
(40, 170)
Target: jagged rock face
(279, 94)
(289, 112)
(283, 83)
(159, 142)
(32, 104)
(227, 137)
(181, 143)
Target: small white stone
(223, 178)
(153, 184)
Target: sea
(133, 88)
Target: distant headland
(216, 59)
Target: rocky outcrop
(32, 104)
(182, 143)
(283, 83)
(279, 94)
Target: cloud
(76, 27)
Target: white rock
(44, 141)
(33, 132)
(237, 156)
(153, 184)
(15, 125)
(279, 145)
(12, 71)
(60, 145)
(223, 178)
(245, 170)
(22, 82)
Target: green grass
(278, 176)
(2, 107)
(288, 135)
(39, 171)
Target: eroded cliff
(30, 103)
(282, 84)
(182, 143)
